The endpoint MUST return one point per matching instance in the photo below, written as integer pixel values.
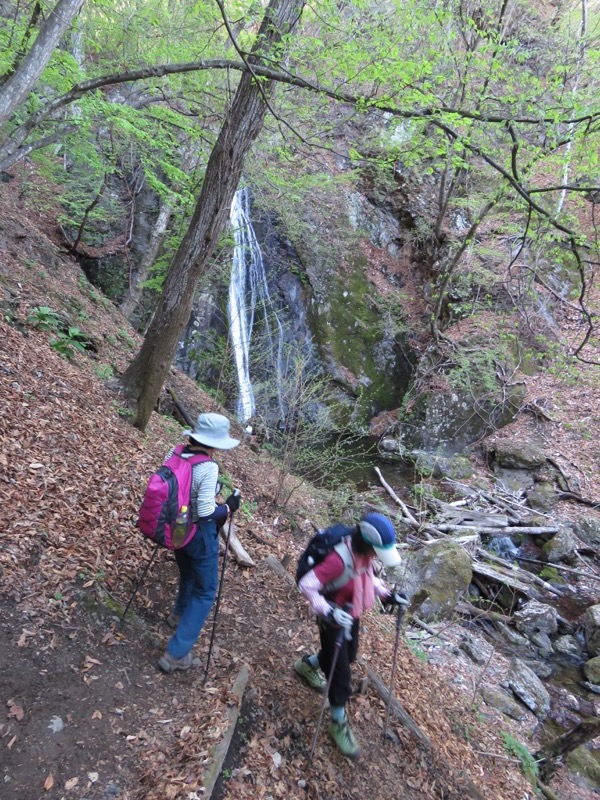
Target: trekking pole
(339, 639)
(399, 618)
(139, 583)
(216, 614)
(417, 600)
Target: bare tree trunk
(134, 290)
(145, 376)
(18, 86)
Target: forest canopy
(496, 99)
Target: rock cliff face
(353, 293)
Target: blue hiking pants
(198, 564)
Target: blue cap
(379, 532)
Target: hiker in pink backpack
(198, 558)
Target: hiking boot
(169, 664)
(344, 738)
(172, 620)
(314, 677)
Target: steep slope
(87, 713)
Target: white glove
(342, 618)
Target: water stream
(249, 295)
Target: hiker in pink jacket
(342, 607)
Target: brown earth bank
(86, 712)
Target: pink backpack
(168, 491)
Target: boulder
(517, 454)
(562, 547)
(528, 688)
(568, 646)
(543, 643)
(542, 497)
(588, 530)
(473, 404)
(592, 630)
(478, 651)
(584, 764)
(541, 668)
(503, 702)
(456, 468)
(443, 569)
(511, 636)
(591, 669)
(517, 481)
(535, 617)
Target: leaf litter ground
(88, 715)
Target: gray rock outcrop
(502, 702)
(534, 618)
(528, 688)
(591, 669)
(561, 547)
(517, 454)
(592, 630)
(588, 530)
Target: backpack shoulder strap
(345, 553)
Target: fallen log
(516, 570)
(501, 576)
(180, 409)
(238, 551)
(511, 530)
(219, 752)
(406, 513)
(272, 562)
(463, 607)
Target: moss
(550, 574)
(350, 331)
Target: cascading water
(248, 291)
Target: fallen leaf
(97, 714)
(56, 724)
(14, 710)
(71, 783)
(48, 783)
(93, 777)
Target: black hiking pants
(341, 685)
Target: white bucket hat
(212, 430)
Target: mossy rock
(456, 468)
(584, 763)
(561, 547)
(542, 497)
(591, 669)
(588, 530)
(517, 454)
(443, 569)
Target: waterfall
(248, 293)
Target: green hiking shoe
(314, 677)
(342, 735)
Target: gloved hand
(396, 598)
(342, 618)
(234, 500)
